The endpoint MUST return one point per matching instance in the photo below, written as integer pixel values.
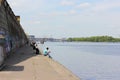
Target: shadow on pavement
(13, 68)
(18, 56)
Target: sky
(68, 18)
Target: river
(87, 60)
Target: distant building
(31, 37)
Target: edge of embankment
(62, 70)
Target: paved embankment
(25, 65)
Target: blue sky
(68, 18)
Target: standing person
(47, 52)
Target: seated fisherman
(46, 52)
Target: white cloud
(25, 5)
(83, 5)
(107, 5)
(67, 3)
(36, 22)
(72, 12)
(53, 14)
(99, 8)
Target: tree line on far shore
(95, 39)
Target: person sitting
(37, 50)
(47, 52)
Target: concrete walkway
(25, 65)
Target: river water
(89, 61)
